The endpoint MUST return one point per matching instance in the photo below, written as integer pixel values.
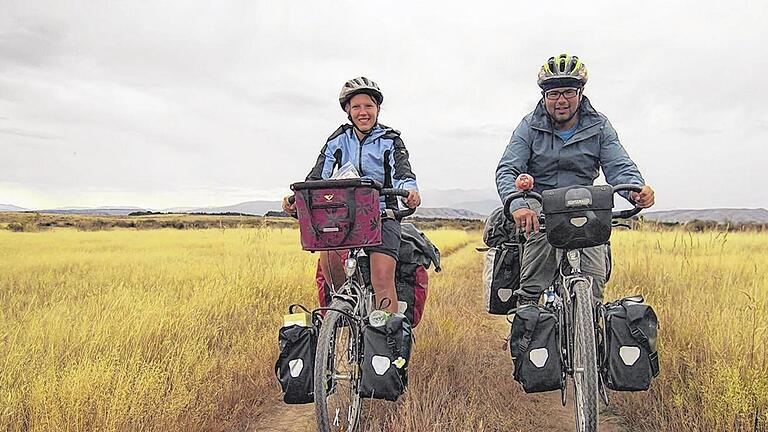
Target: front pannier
(578, 216)
(630, 358)
(295, 365)
(384, 359)
(338, 214)
(534, 345)
(501, 277)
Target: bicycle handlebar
(626, 214)
(622, 214)
(398, 214)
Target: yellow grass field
(130, 330)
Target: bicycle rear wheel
(338, 405)
(584, 359)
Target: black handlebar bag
(578, 216)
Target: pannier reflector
(296, 366)
(578, 221)
(629, 354)
(504, 294)
(539, 357)
(380, 364)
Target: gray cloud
(190, 100)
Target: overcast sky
(186, 103)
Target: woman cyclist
(377, 152)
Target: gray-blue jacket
(381, 156)
(536, 150)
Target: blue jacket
(536, 150)
(381, 156)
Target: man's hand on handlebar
(413, 199)
(289, 207)
(526, 220)
(644, 198)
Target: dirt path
(460, 379)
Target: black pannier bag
(384, 359)
(578, 216)
(630, 359)
(295, 365)
(534, 345)
(501, 277)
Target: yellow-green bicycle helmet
(562, 71)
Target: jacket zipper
(360, 155)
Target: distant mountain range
(439, 204)
(722, 216)
(11, 208)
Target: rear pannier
(630, 359)
(338, 214)
(534, 344)
(501, 277)
(578, 216)
(295, 365)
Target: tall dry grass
(146, 330)
(710, 291)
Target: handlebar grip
(398, 214)
(516, 195)
(397, 192)
(291, 199)
(626, 214)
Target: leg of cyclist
(593, 263)
(383, 280)
(539, 264)
(383, 260)
(332, 264)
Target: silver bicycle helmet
(357, 86)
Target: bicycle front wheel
(584, 359)
(338, 405)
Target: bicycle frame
(563, 304)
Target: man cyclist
(377, 152)
(564, 141)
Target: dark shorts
(390, 239)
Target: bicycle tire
(338, 406)
(584, 359)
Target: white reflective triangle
(380, 364)
(629, 354)
(504, 294)
(578, 221)
(539, 357)
(296, 366)
(401, 306)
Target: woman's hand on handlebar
(526, 220)
(413, 199)
(289, 206)
(645, 198)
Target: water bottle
(549, 296)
